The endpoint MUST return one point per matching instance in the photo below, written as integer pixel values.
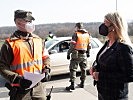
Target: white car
(58, 54)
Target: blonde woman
(113, 68)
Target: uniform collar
(21, 35)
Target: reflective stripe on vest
(82, 41)
(23, 59)
(25, 65)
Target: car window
(61, 47)
(49, 43)
(94, 44)
(56, 47)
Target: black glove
(88, 55)
(47, 77)
(12, 92)
(24, 83)
(68, 57)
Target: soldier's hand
(68, 57)
(24, 83)
(47, 77)
(88, 55)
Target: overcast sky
(61, 11)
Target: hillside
(59, 29)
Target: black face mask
(103, 30)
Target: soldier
(22, 51)
(79, 51)
(50, 36)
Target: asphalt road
(88, 84)
(59, 79)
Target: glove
(13, 90)
(24, 83)
(47, 77)
(88, 55)
(68, 57)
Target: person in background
(63, 47)
(23, 51)
(79, 51)
(50, 36)
(113, 68)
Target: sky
(62, 11)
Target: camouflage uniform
(6, 57)
(20, 92)
(77, 59)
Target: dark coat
(115, 67)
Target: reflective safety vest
(82, 41)
(48, 38)
(23, 59)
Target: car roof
(59, 39)
(54, 41)
(62, 38)
(66, 38)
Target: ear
(111, 28)
(17, 21)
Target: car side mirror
(53, 51)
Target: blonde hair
(120, 26)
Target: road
(59, 93)
(88, 86)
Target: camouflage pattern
(78, 60)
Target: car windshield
(50, 42)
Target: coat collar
(109, 51)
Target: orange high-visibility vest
(23, 59)
(82, 41)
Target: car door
(95, 47)
(58, 57)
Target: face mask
(29, 27)
(51, 35)
(103, 30)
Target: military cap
(79, 25)
(27, 15)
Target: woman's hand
(91, 70)
(95, 76)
